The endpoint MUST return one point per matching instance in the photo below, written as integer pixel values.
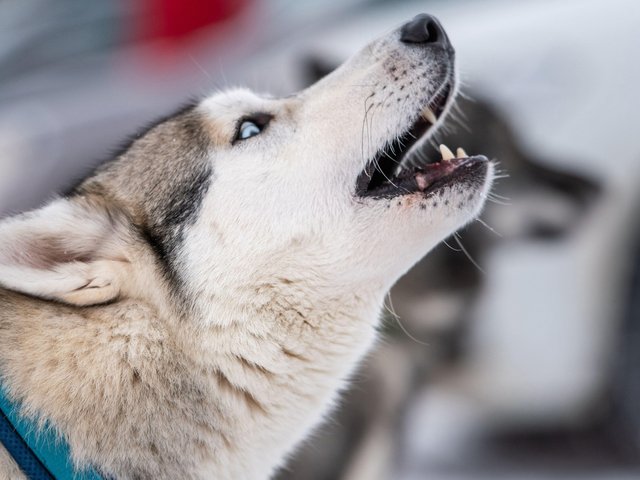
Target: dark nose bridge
(425, 30)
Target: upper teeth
(447, 154)
(428, 115)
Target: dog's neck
(140, 393)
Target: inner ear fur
(74, 250)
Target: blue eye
(252, 125)
(248, 129)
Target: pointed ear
(72, 251)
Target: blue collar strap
(40, 453)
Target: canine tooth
(429, 116)
(446, 153)
(460, 153)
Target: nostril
(433, 32)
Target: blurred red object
(176, 21)
(172, 28)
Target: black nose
(424, 29)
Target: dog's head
(242, 189)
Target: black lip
(471, 172)
(468, 170)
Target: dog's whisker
(450, 247)
(459, 240)
(491, 229)
(390, 309)
(493, 199)
(365, 125)
(466, 96)
(373, 112)
(502, 197)
(200, 67)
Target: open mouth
(400, 169)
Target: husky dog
(192, 308)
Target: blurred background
(511, 352)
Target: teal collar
(44, 444)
